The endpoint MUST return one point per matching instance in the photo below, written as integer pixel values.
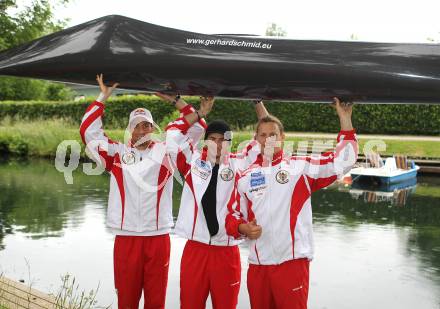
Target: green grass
(41, 139)
(414, 149)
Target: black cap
(217, 126)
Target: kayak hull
(147, 57)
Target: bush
(58, 92)
(14, 88)
(306, 117)
(14, 145)
(373, 119)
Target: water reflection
(368, 254)
(418, 214)
(394, 194)
(36, 201)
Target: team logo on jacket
(258, 184)
(227, 174)
(282, 176)
(257, 179)
(201, 169)
(128, 158)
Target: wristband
(101, 98)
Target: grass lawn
(415, 149)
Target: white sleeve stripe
(90, 112)
(94, 131)
(307, 183)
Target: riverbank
(17, 295)
(41, 139)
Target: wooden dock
(16, 295)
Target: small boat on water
(393, 170)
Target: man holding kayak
(271, 206)
(211, 260)
(140, 200)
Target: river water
(373, 249)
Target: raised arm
(241, 160)
(324, 169)
(195, 118)
(99, 146)
(260, 109)
(183, 134)
(344, 111)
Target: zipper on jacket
(139, 199)
(274, 253)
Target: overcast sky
(368, 20)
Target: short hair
(273, 119)
(218, 126)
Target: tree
(29, 23)
(57, 92)
(274, 30)
(14, 88)
(435, 39)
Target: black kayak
(147, 57)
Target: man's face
(270, 138)
(215, 145)
(141, 132)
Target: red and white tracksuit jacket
(278, 195)
(141, 185)
(196, 169)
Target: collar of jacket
(224, 158)
(276, 159)
(204, 155)
(150, 145)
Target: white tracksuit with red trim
(196, 169)
(140, 198)
(278, 196)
